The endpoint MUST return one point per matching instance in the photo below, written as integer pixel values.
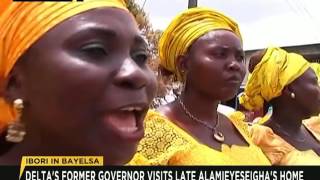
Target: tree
(152, 36)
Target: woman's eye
(140, 58)
(240, 58)
(94, 50)
(220, 54)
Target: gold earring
(16, 130)
(293, 95)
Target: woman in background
(287, 82)
(203, 48)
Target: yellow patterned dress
(167, 144)
(279, 151)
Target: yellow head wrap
(276, 70)
(185, 29)
(23, 23)
(316, 68)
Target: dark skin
(255, 59)
(214, 70)
(79, 83)
(288, 112)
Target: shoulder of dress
(237, 116)
(238, 119)
(313, 126)
(161, 139)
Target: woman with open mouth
(74, 80)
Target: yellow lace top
(167, 144)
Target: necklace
(278, 126)
(217, 135)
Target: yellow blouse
(278, 150)
(313, 125)
(167, 144)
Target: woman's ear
(183, 63)
(289, 91)
(13, 86)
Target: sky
(262, 22)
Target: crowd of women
(74, 80)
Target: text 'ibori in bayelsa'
(63, 160)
